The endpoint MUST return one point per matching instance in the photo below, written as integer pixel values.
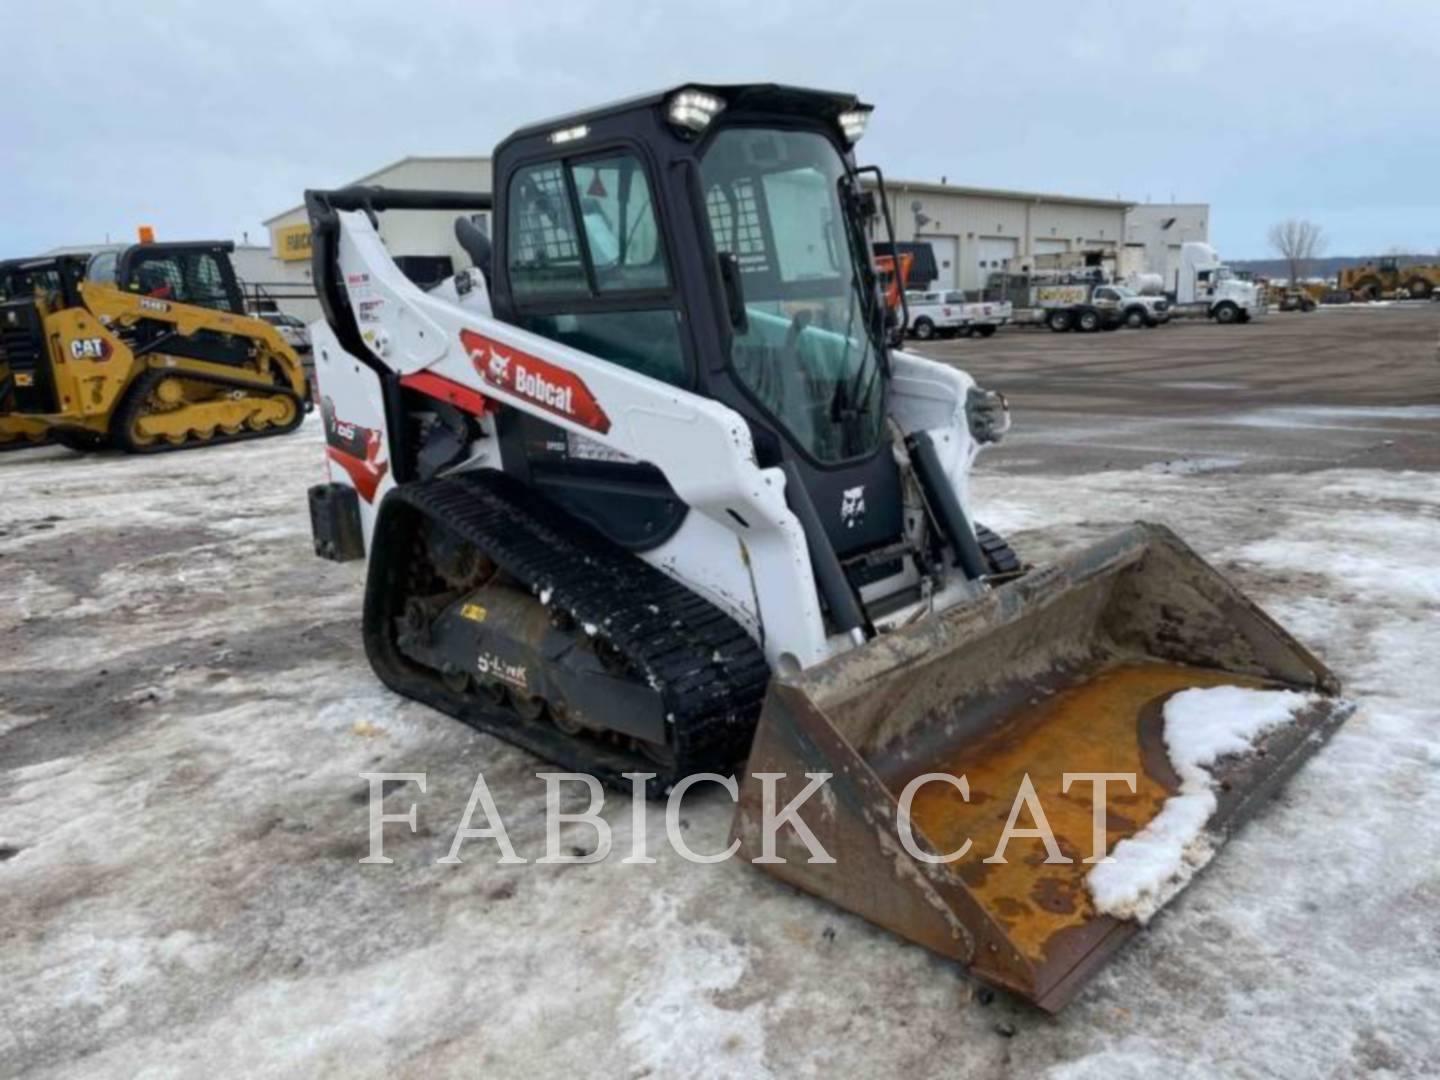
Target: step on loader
(147, 348)
(645, 490)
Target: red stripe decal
(552, 388)
(365, 475)
(443, 389)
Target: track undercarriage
(489, 604)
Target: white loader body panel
(449, 344)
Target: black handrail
(379, 199)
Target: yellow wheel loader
(146, 349)
(647, 491)
(1385, 278)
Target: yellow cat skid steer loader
(645, 490)
(147, 348)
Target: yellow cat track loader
(145, 349)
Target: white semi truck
(1204, 286)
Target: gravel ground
(185, 712)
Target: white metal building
(976, 231)
(1158, 230)
(973, 231)
(417, 233)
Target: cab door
(586, 265)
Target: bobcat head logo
(498, 367)
(852, 506)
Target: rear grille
(22, 350)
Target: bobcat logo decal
(852, 506)
(545, 385)
(499, 367)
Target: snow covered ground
(185, 713)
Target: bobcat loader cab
(715, 248)
(650, 464)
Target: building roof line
(932, 188)
(894, 185)
(408, 159)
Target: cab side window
(186, 277)
(160, 278)
(599, 284)
(102, 268)
(204, 282)
(544, 250)
(620, 228)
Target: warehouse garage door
(1051, 247)
(994, 253)
(947, 260)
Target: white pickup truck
(946, 312)
(1136, 309)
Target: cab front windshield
(808, 351)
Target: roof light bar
(853, 122)
(570, 134)
(693, 109)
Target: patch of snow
(1193, 466)
(1329, 416)
(1201, 726)
(1206, 385)
(670, 1020)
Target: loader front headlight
(693, 109)
(988, 415)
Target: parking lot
(1339, 387)
(185, 712)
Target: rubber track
(134, 398)
(23, 444)
(710, 673)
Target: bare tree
(1297, 242)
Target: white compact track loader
(645, 490)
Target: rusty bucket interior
(1064, 670)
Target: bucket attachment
(1065, 670)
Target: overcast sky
(202, 119)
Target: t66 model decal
(552, 388)
(355, 449)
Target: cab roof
(771, 98)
